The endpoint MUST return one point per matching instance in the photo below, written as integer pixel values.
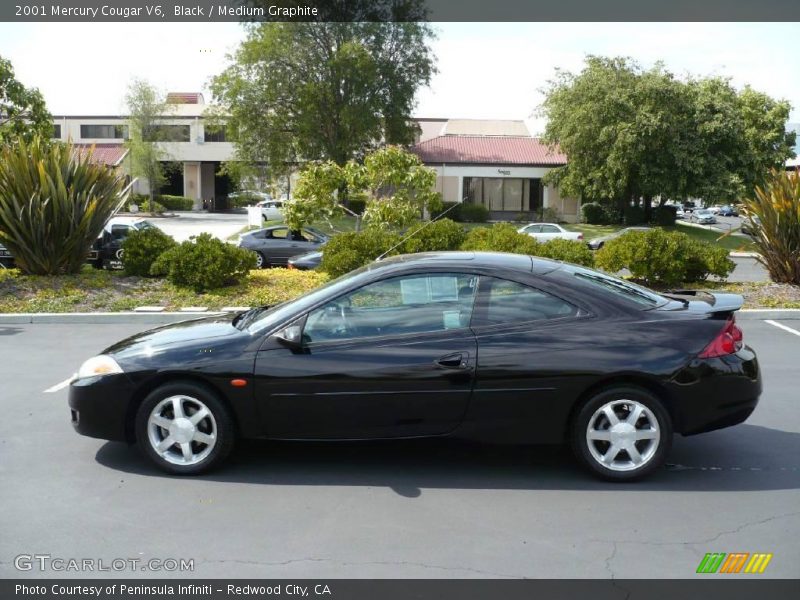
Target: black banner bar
(707, 588)
(398, 10)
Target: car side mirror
(290, 337)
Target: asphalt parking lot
(427, 510)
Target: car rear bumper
(716, 392)
(99, 406)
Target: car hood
(212, 329)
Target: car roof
(490, 260)
(125, 220)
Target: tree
(323, 91)
(396, 187)
(146, 108)
(22, 110)
(54, 202)
(635, 134)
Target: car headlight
(98, 365)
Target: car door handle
(453, 361)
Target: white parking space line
(784, 327)
(59, 386)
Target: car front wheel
(622, 433)
(184, 428)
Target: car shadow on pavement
(742, 458)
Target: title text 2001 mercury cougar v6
(488, 346)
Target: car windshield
(144, 225)
(275, 315)
(631, 291)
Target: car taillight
(728, 341)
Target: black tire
(220, 422)
(262, 259)
(653, 457)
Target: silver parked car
(703, 216)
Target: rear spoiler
(717, 303)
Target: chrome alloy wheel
(259, 260)
(182, 430)
(623, 435)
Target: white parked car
(543, 232)
(271, 210)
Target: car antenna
(416, 231)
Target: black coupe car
(274, 246)
(488, 346)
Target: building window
(504, 194)
(104, 132)
(57, 132)
(213, 134)
(167, 133)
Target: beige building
(497, 164)
(194, 152)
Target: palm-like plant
(53, 205)
(776, 232)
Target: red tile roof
(185, 98)
(490, 150)
(109, 155)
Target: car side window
(280, 234)
(533, 229)
(118, 232)
(403, 305)
(503, 302)
(549, 229)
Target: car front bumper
(100, 406)
(715, 393)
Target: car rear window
(619, 287)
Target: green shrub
(594, 213)
(142, 248)
(633, 215)
(500, 237)
(357, 205)
(53, 205)
(664, 215)
(659, 257)
(440, 235)
(452, 211)
(473, 213)
(347, 251)
(175, 202)
(776, 234)
(204, 263)
(571, 251)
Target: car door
(529, 364)
(534, 231)
(395, 358)
(111, 245)
(549, 232)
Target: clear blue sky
(486, 70)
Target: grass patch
(234, 236)
(734, 243)
(592, 231)
(112, 291)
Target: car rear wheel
(184, 428)
(622, 433)
(260, 261)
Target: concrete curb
(161, 318)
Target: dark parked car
(306, 262)
(597, 243)
(106, 252)
(488, 346)
(274, 246)
(728, 211)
